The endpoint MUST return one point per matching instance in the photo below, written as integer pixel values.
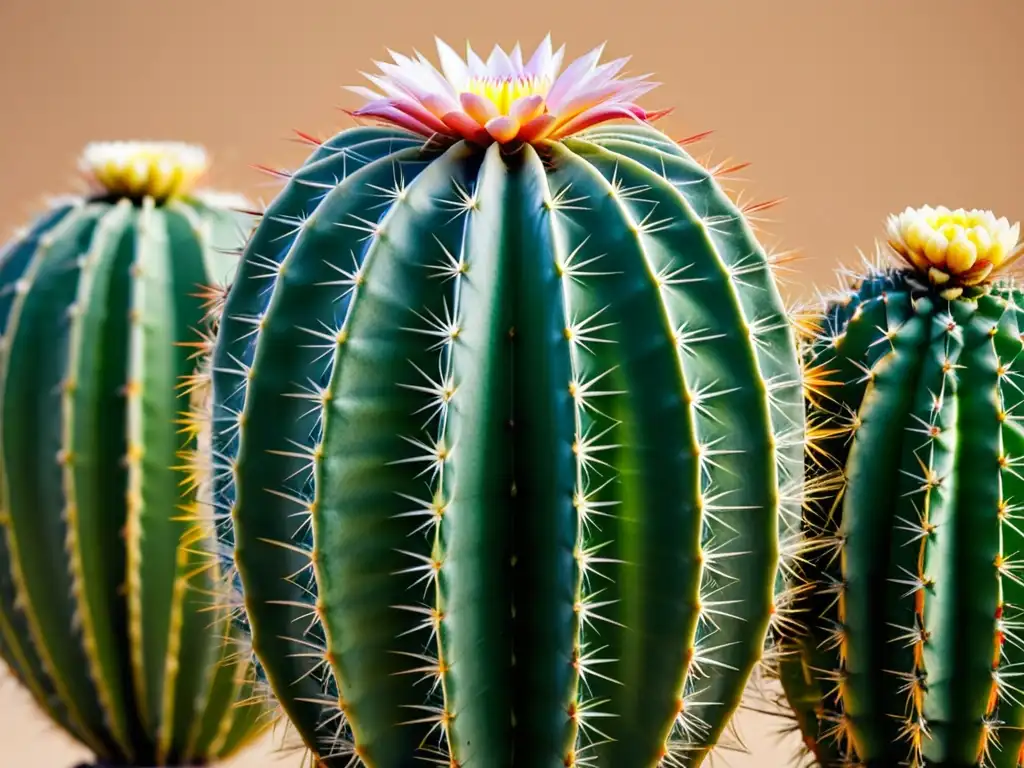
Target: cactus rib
(85, 391)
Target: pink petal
(573, 74)
(603, 74)
(477, 107)
(541, 59)
(525, 108)
(439, 105)
(443, 84)
(466, 127)
(411, 78)
(612, 68)
(397, 117)
(454, 68)
(591, 93)
(417, 112)
(394, 83)
(585, 100)
(411, 108)
(517, 59)
(538, 128)
(596, 115)
(556, 64)
(636, 90)
(366, 93)
(378, 103)
(385, 85)
(498, 63)
(477, 68)
(503, 128)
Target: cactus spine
(507, 426)
(105, 588)
(911, 594)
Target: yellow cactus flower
(138, 169)
(955, 249)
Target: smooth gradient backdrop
(849, 110)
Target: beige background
(850, 110)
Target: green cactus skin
(506, 436)
(107, 599)
(911, 594)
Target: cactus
(910, 594)
(108, 614)
(508, 411)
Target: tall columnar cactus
(911, 593)
(508, 414)
(108, 614)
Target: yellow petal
(996, 253)
(935, 249)
(981, 238)
(916, 235)
(961, 254)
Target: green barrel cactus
(508, 411)
(910, 591)
(108, 580)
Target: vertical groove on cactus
(546, 578)
(474, 386)
(150, 344)
(503, 435)
(98, 314)
(580, 328)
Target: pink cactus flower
(502, 100)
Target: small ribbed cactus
(508, 416)
(108, 612)
(911, 592)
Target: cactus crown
(161, 170)
(502, 99)
(958, 251)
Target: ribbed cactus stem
(109, 610)
(910, 592)
(507, 437)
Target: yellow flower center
(503, 92)
(955, 247)
(138, 169)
